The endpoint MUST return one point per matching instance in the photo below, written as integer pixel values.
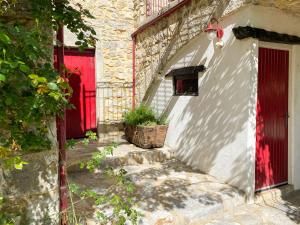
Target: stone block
(32, 194)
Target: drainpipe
(61, 136)
(133, 71)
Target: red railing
(153, 6)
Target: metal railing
(113, 99)
(154, 6)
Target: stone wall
(139, 12)
(157, 44)
(31, 195)
(114, 25)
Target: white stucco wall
(275, 20)
(295, 120)
(215, 132)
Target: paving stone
(248, 219)
(223, 223)
(171, 193)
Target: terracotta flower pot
(146, 136)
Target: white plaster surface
(296, 120)
(215, 132)
(170, 193)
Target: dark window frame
(186, 73)
(193, 77)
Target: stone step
(124, 155)
(273, 194)
(170, 192)
(167, 191)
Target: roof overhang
(191, 70)
(264, 35)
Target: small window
(186, 85)
(185, 80)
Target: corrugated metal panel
(272, 112)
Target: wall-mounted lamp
(214, 30)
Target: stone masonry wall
(114, 24)
(31, 195)
(139, 12)
(159, 43)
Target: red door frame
(272, 118)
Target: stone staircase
(170, 193)
(157, 45)
(125, 155)
(167, 191)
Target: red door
(81, 72)
(272, 119)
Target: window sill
(194, 95)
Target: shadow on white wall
(215, 132)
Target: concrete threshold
(275, 194)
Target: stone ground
(171, 193)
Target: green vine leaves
(119, 197)
(31, 91)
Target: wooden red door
(81, 73)
(272, 119)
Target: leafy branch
(31, 90)
(120, 195)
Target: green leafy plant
(122, 203)
(162, 120)
(143, 116)
(97, 158)
(119, 197)
(32, 92)
(5, 218)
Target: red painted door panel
(272, 119)
(81, 69)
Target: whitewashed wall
(275, 20)
(215, 132)
(294, 143)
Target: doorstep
(273, 194)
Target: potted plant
(144, 129)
